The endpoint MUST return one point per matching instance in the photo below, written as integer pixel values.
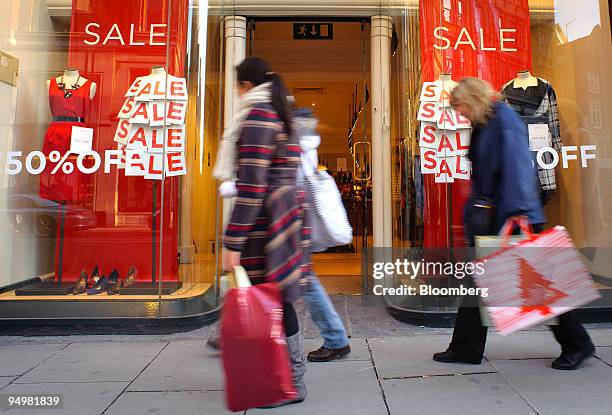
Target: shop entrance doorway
(325, 63)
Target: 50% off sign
(36, 162)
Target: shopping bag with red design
(253, 345)
(533, 280)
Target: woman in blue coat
(504, 185)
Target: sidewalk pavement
(386, 373)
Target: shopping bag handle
(523, 223)
(241, 276)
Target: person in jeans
(322, 311)
(502, 172)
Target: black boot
(571, 361)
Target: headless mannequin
(158, 72)
(70, 77)
(524, 80)
(446, 80)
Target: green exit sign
(313, 31)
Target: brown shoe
(325, 355)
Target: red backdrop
(482, 19)
(127, 208)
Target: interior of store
(330, 76)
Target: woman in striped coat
(265, 233)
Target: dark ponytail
(257, 71)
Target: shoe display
(104, 283)
(451, 356)
(81, 285)
(115, 283)
(571, 361)
(323, 354)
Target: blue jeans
(324, 315)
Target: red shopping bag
(537, 279)
(254, 349)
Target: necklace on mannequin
(68, 92)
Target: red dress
(67, 112)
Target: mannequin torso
(70, 77)
(524, 80)
(446, 81)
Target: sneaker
(323, 354)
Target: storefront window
(564, 50)
(111, 115)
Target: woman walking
(503, 173)
(264, 233)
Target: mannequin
(535, 101)
(70, 77)
(446, 80)
(70, 98)
(524, 80)
(158, 71)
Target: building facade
(112, 112)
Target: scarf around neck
(225, 164)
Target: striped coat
(267, 223)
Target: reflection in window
(595, 110)
(593, 82)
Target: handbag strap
(523, 223)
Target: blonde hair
(478, 95)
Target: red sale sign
(489, 39)
(116, 43)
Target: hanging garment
(536, 105)
(63, 186)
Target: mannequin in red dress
(70, 97)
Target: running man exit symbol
(313, 31)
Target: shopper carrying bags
(264, 233)
(503, 186)
(322, 311)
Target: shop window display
(107, 160)
(549, 66)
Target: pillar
(381, 130)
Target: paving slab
(398, 357)
(336, 388)
(601, 337)
(18, 358)
(183, 365)
(91, 362)
(163, 403)
(5, 380)
(483, 394)
(78, 398)
(359, 349)
(554, 392)
(605, 354)
(522, 345)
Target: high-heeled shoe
(130, 277)
(95, 277)
(81, 285)
(116, 283)
(104, 283)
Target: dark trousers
(290, 320)
(470, 336)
